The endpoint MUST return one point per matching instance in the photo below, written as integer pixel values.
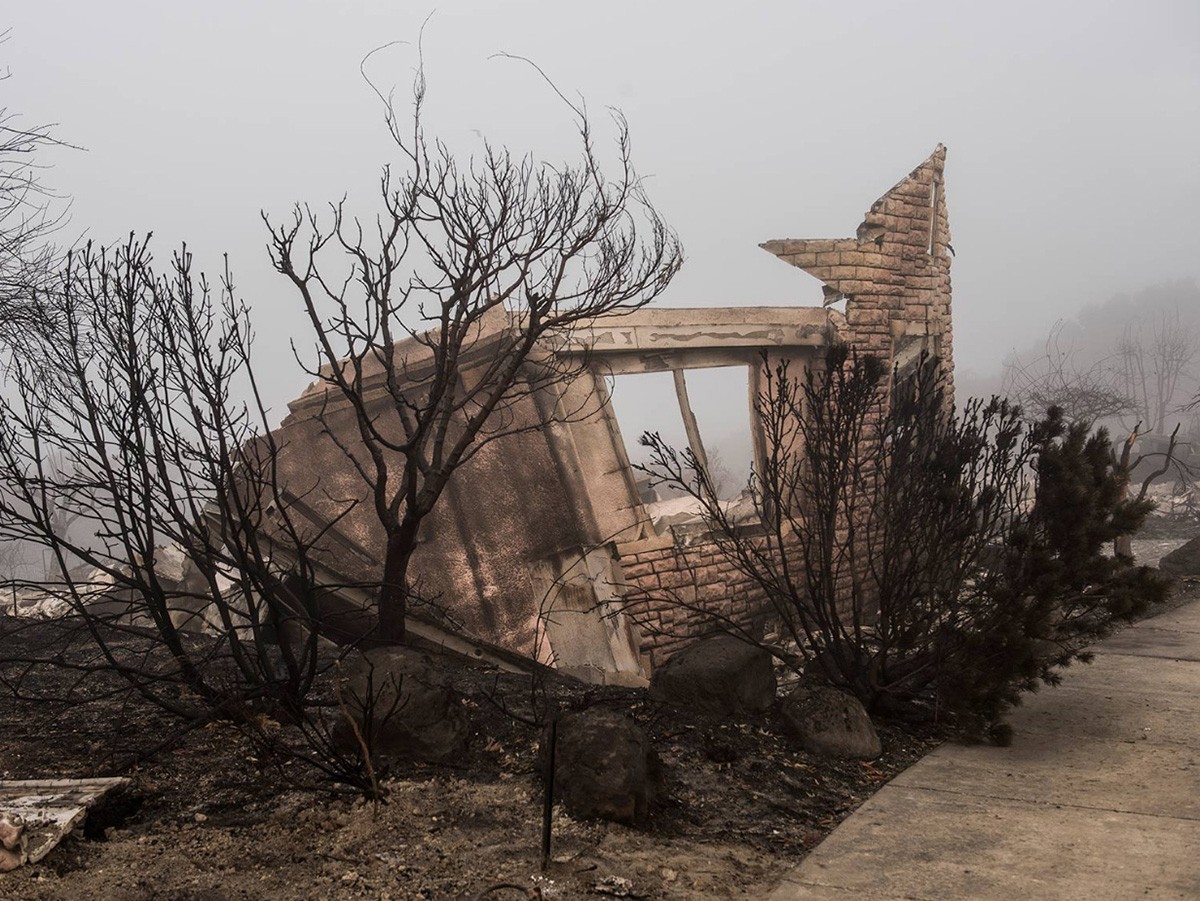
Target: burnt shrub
(919, 556)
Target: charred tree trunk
(394, 592)
(476, 270)
(1123, 544)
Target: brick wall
(671, 584)
(895, 272)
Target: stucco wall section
(507, 508)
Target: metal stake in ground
(548, 801)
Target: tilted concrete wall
(502, 513)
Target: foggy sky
(1073, 130)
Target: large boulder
(1184, 561)
(830, 723)
(720, 675)
(604, 767)
(397, 697)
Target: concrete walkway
(1098, 797)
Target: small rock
(10, 860)
(12, 830)
(200, 818)
(830, 722)
(616, 886)
(721, 675)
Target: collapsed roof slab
(38, 813)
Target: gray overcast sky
(1073, 129)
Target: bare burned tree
(138, 404)
(1152, 371)
(30, 214)
(1083, 392)
(914, 555)
(1139, 387)
(450, 305)
(1151, 374)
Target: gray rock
(605, 767)
(830, 722)
(405, 707)
(721, 675)
(1184, 561)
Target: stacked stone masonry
(676, 589)
(895, 272)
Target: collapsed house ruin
(545, 544)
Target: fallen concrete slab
(36, 814)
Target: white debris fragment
(35, 814)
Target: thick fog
(1073, 131)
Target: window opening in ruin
(707, 410)
(837, 303)
(720, 400)
(646, 402)
(907, 355)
